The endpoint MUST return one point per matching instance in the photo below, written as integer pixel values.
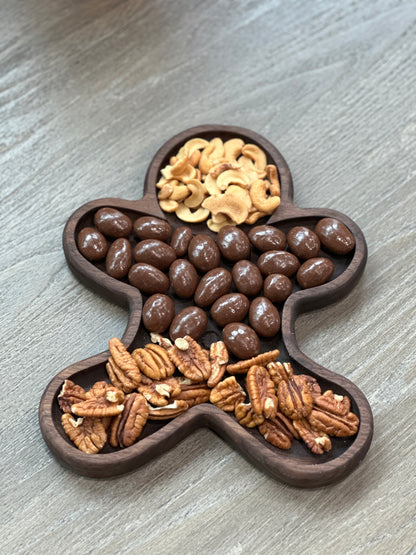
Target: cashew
(216, 170)
(165, 191)
(232, 149)
(184, 214)
(173, 160)
(169, 205)
(197, 194)
(259, 198)
(192, 146)
(216, 227)
(254, 216)
(179, 193)
(182, 169)
(234, 203)
(236, 177)
(204, 162)
(256, 154)
(194, 158)
(274, 187)
(219, 218)
(218, 151)
(211, 185)
(247, 166)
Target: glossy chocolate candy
(191, 320)
(154, 252)
(183, 278)
(303, 242)
(158, 313)
(230, 308)
(264, 317)
(241, 340)
(149, 227)
(119, 258)
(203, 253)
(314, 272)
(335, 236)
(277, 287)
(214, 284)
(92, 243)
(233, 243)
(180, 240)
(247, 277)
(112, 222)
(267, 238)
(278, 262)
(148, 279)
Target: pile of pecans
(163, 379)
(225, 183)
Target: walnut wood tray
(296, 466)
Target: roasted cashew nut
(259, 198)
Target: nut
(234, 203)
(102, 400)
(194, 394)
(271, 172)
(133, 419)
(256, 154)
(279, 371)
(197, 190)
(88, 434)
(278, 431)
(261, 392)
(153, 360)
(227, 394)
(336, 404)
(317, 442)
(259, 198)
(334, 424)
(70, 395)
(170, 411)
(119, 378)
(124, 360)
(232, 177)
(232, 149)
(295, 399)
(185, 214)
(169, 206)
(218, 357)
(246, 416)
(159, 392)
(262, 359)
(191, 360)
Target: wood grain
(88, 93)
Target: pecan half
(261, 392)
(246, 416)
(194, 394)
(279, 371)
(317, 442)
(243, 366)
(124, 360)
(102, 400)
(159, 392)
(154, 362)
(278, 431)
(334, 424)
(112, 432)
(119, 377)
(337, 404)
(133, 419)
(170, 411)
(71, 394)
(227, 394)
(295, 399)
(88, 434)
(218, 356)
(190, 359)
(313, 385)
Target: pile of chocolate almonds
(239, 280)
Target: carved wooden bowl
(297, 466)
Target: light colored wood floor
(88, 91)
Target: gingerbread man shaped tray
(296, 465)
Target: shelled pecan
(71, 394)
(227, 394)
(190, 359)
(102, 400)
(154, 362)
(295, 399)
(88, 434)
(246, 416)
(261, 392)
(243, 366)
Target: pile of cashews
(225, 183)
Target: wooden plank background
(88, 91)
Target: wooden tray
(298, 466)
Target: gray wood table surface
(89, 90)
